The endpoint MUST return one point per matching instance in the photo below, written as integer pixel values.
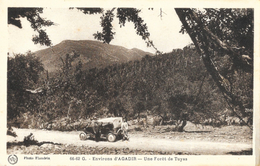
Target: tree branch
(201, 39)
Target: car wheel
(82, 136)
(111, 137)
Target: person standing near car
(96, 129)
(124, 128)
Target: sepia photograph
(129, 84)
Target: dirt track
(136, 142)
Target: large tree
(224, 39)
(22, 75)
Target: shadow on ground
(23, 143)
(243, 152)
(197, 131)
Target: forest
(173, 86)
(205, 82)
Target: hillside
(164, 86)
(92, 54)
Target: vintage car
(106, 128)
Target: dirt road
(136, 142)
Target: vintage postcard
(129, 82)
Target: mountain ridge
(92, 54)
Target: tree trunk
(201, 40)
(181, 128)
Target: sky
(75, 25)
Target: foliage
(215, 33)
(132, 15)
(123, 15)
(22, 73)
(220, 36)
(174, 85)
(106, 22)
(129, 89)
(90, 10)
(151, 83)
(37, 22)
(234, 28)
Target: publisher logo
(13, 159)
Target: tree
(116, 108)
(37, 22)
(22, 74)
(215, 38)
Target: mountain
(92, 54)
